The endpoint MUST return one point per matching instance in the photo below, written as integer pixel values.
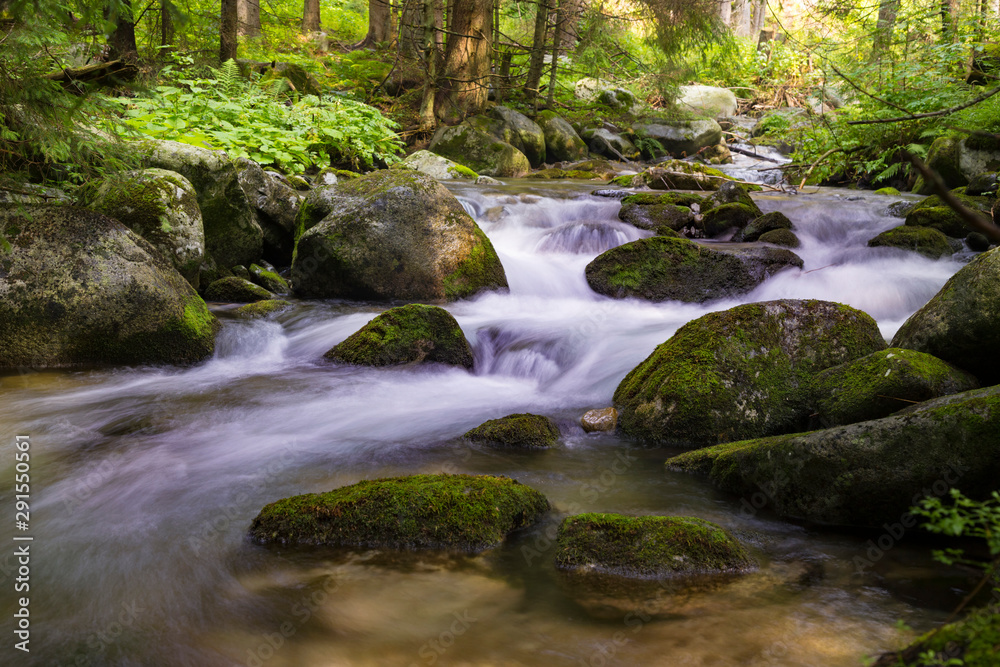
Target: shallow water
(145, 480)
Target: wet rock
(268, 279)
(679, 138)
(983, 185)
(411, 334)
(648, 547)
(932, 212)
(959, 323)
(740, 373)
(462, 512)
(680, 175)
(659, 212)
(518, 431)
(924, 240)
(437, 167)
(869, 473)
(262, 309)
(610, 144)
(882, 383)
(236, 290)
(562, 143)
(395, 234)
(479, 151)
(78, 287)
(977, 242)
(785, 238)
(602, 419)
(726, 219)
(160, 206)
(520, 132)
(943, 158)
(662, 268)
(768, 222)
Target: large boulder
(317, 204)
(232, 234)
(769, 222)
(865, 474)
(520, 132)
(437, 167)
(276, 205)
(882, 383)
(411, 334)
(648, 547)
(162, 207)
(396, 234)
(943, 158)
(603, 141)
(924, 240)
(660, 213)
(935, 214)
(77, 287)
(959, 323)
(518, 431)
(679, 175)
(234, 289)
(707, 101)
(663, 268)
(740, 373)
(680, 138)
(480, 151)
(461, 512)
(562, 143)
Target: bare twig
(931, 114)
(975, 219)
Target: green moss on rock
(261, 309)
(768, 222)
(519, 431)
(236, 290)
(727, 218)
(269, 280)
(648, 546)
(409, 334)
(924, 240)
(462, 512)
(864, 474)
(662, 268)
(740, 373)
(973, 641)
(786, 238)
(934, 213)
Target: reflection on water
(146, 479)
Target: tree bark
(537, 60)
(557, 11)
(248, 18)
(882, 40)
(411, 34)
(742, 19)
(431, 57)
(310, 16)
(725, 11)
(166, 23)
(227, 31)
(465, 85)
(379, 24)
(949, 17)
(759, 14)
(121, 42)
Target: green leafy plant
(254, 119)
(964, 517)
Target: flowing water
(145, 480)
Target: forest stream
(145, 480)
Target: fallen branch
(750, 153)
(976, 220)
(102, 74)
(932, 114)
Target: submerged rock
(602, 419)
(409, 334)
(864, 474)
(740, 373)
(236, 290)
(519, 431)
(464, 512)
(395, 234)
(162, 207)
(882, 383)
(648, 547)
(662, 268)
(261, 309)
(77, 287)
(959, 323)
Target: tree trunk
(742, 19)
(725, 11)
(310, 16)
(556, 42)
(379, 24)
(882, 40)
(227, 31)
(248, 18)
(166, 23)
(759, 14)
(121, 42)
(431, 57)
(537, 61)
(465, 85)
(949, 18)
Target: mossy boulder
(662, 268)
(319, 203)
(232, 234)
(296, 78)
(411, 334)
(727, 218)
(924, 240)
(680, 175)
(972, 641)
(763, 224)
(479, 151)
(731, 192)
(562, 143)
(656, 217)
(648, 547)
(985, 184)
(236, 290)
(602, 141)
(261, 309)
(869, 473)
(785, 238)
(437, 167)
(396, 234)
(882, 383)
(458, 512)
(268, 279)
(518, 431)
(554, 173)
(740, 373)
(160, 206)
(679, 138)
(932, 212)
(520, 132)
(78, 287)
(943, 158)
(276, 205)
(959, 323)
